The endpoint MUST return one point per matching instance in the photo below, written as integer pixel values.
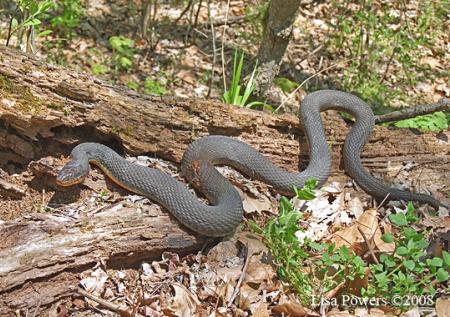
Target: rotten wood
(45, 110)
(42, 255)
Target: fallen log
(45, 110)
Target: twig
(369, 245)
(383, 201)
(213, 34)
(183, 12)
(441, 105)
(305, 81)
(107, 304)
(388, 65)
(223, 47)
(194, 35)
(241, 278)
(8, 38)
(318, 48)
(197, 14)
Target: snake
(224, 210)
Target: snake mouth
(69, 182)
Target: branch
(441, 105)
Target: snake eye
(71, 174)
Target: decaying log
(42, 255)
(45, 110)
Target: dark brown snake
(225, 210)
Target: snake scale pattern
(225, 210)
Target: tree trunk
(46, 110)
(278, 24)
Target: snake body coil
(225, 210)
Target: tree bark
(278, 25)
(45, 110)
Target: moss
(25, 100)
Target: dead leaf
(292, 308)
(247, 296)
(260, 310)
(361, 312)
(443, 307)
(413, 312)
(258, 204)
(259, 273)
(352, 238)
(336, 313)
(252, 242)
(184, 303)
(95, 282)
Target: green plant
(153, 87)
(437, 121)
(405, 272)
(67, 17)
(311, 276)
(99, 69)
(123, 52)
(233, 96)
(286, 84)
(26, 22)
(314, 269)
(133, 85)
(385, 44)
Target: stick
(213, 34)
(369, 246)
(241, 278)
(441, 105)
(107, 304)
(222, 49)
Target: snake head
(72, 173)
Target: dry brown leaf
(337, 313)
(252, 242)
(361, 312)
(258, 205)
(292, 308)
(352, 238)
(248, 296)
(222, 251)
(184, 303)
(443, 307)
(94, 283)
(260, 310)
(376, 312)
(413, 312)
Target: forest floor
(235, 277)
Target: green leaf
(401, 250)
(32, 22)
(390, 262)
(446, 257)
(442, 275)
(255, 227)
(285, 84)
(133, 85)
(437, 262)
(387, 237)
(409, 264)
(45, 33)
(398, 219)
